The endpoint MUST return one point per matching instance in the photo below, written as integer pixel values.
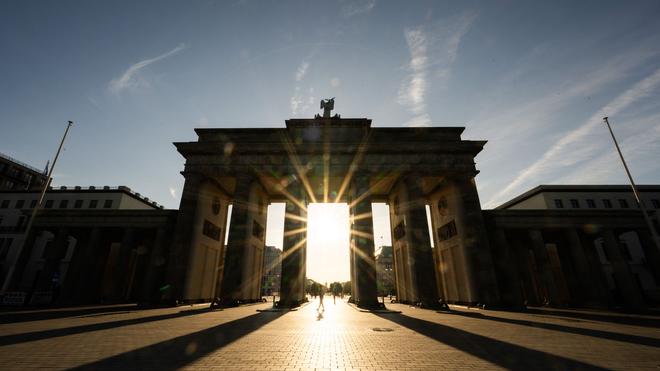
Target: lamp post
(654, 233)
(12, 268)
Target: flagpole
(654, 233)
(12, 268)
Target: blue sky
(533, 78)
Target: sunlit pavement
(339, 337)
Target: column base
(369, 304)
(289, 304)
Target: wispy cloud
(131, 77)
(433, 49)
(301, 100)
(577, 145)
(173, 192)
(354, 7)
(302, 70)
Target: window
(49, 204)
(93, 203)
(623, 203)
(607, 204)
(559, 204)
(107, 204)
(591, 204)
(64, 204)
(656, 204)
(20, 204)
(575, 204)
(4, 204)
(77, 204)
(33, 204)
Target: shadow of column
(500, 353)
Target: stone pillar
(510, 282)
(50, 274)
(625, 281)
(588, 275)
(543, 265)
(522, 259)
(292, 286)
(20, 263)
(150, 289)
(76, 266)
(482, 282)
(232, 274)
(121, 273)
(362, 246)
(651, 252)
(178, 261)
(421, 255)
(88, 255)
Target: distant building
(270, 282)
(15, 175)
(385, 271)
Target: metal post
(12, 268)
(654, 233)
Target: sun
(327, 242)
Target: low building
(102, 231)
(584, 245)
(610, 197)
(16, 175)
(270, 282)
(385, 271)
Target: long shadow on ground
(40, 315)
(178, 352)
(500, 353)
(647, 321)
(634, 339)
(46, 334)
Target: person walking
(321, 295)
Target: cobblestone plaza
(341, 337)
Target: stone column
(651, 252)
(50, 274)
(21, 262)
(521, 256)
(421, 255)
(232, 274)
(510, 285)
(150, 293)
(625, 281)
(76, 266)
(179, 257)
(88, 254)
(479, 268)
(362, 248)
(543, 265)
(588, 280)
(292, 286)
(121, 272)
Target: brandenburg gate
(330, 159)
